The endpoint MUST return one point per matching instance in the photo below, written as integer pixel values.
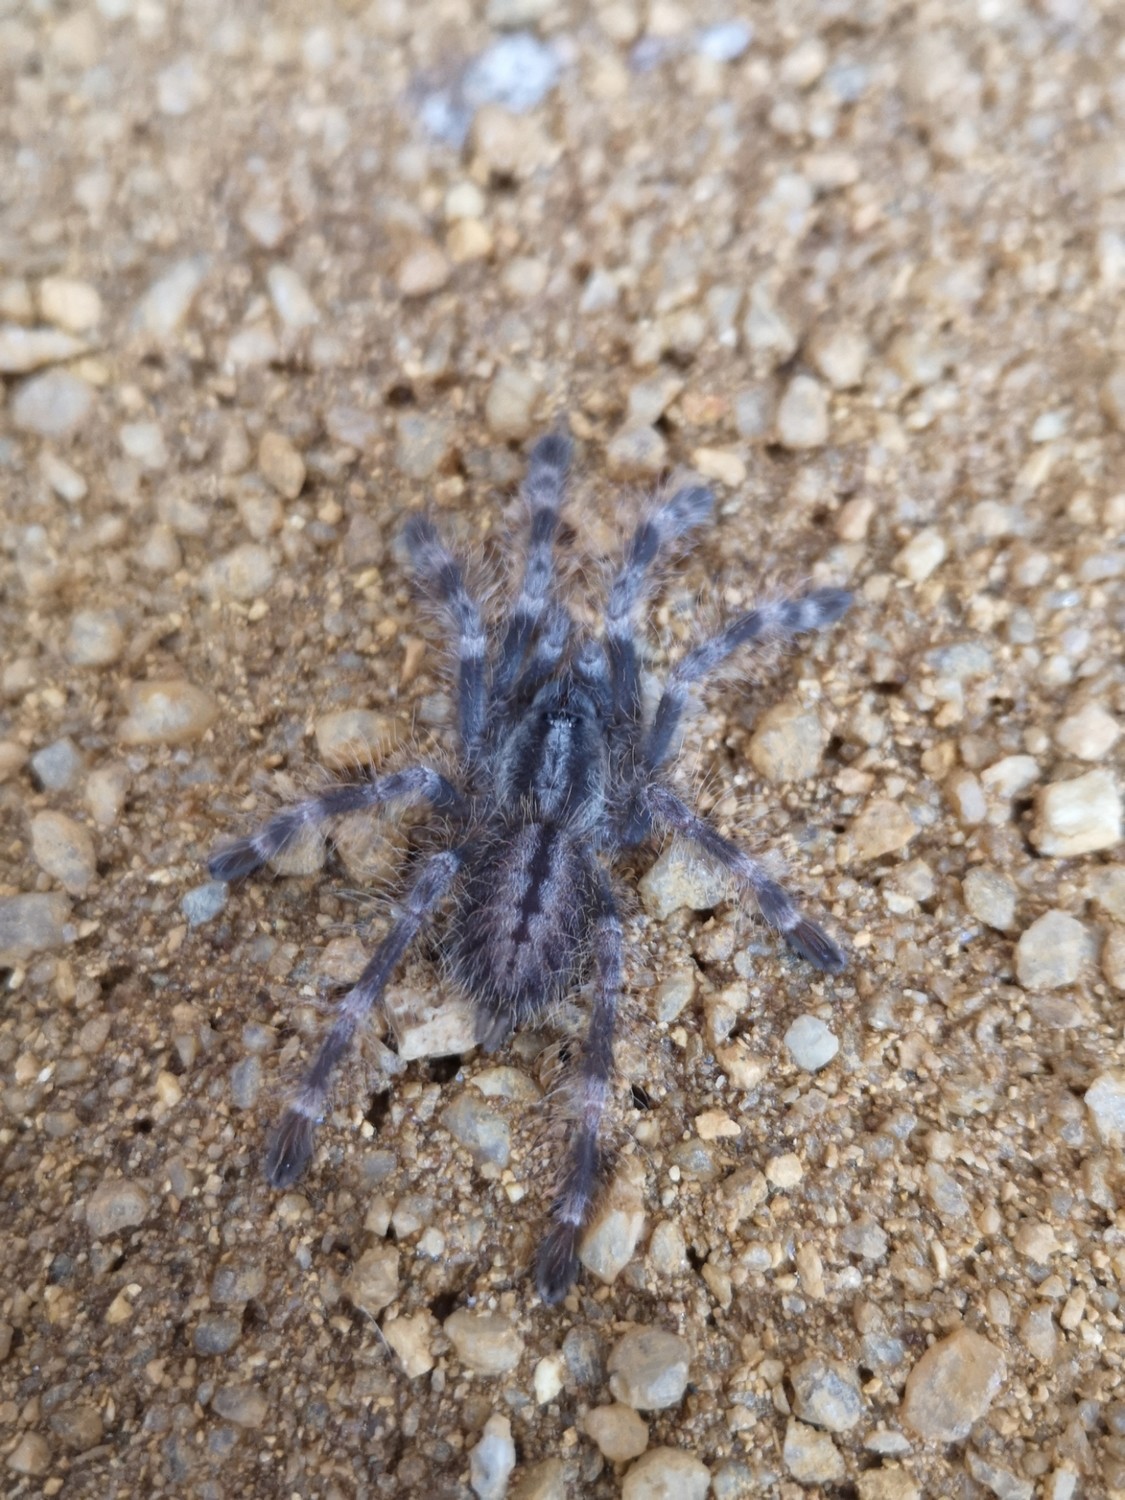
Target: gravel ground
(272, 277)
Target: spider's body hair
(560, 771)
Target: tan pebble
(610, 1241)
(922, 554)
(73, 305)
(169, 713)
(788, 743)
(510, 404)
(785, 1171)
(721, 465)
(883, 827)
(715, 1124)
(31, 1455)
(811, 1456)
(352, 737)
(64, 850)
(802, 415)
(952, 1386)
(617, 1431)
(412, 1339)
(467, 240)
(636, 452)
(1079, 816)
(484, 1342)
(281, 464)
(373, 1281)
(424, 271)
(1089, 733)
(840, 355)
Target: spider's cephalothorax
(560, 770)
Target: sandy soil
(270, 279)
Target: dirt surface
(270, 279)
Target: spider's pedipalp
(779, 620)
(442, 575)
(774, 902)
(243, 856)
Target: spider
(560, 771)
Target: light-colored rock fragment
(1089, 733)
(990, 897)
(1105, 1099)
(952, 1385)
(679, 878)
(1049, 954)
(168, 713)
(291, 299)
(649, 1368)
(1079, 816)
(23, 350)
(164, 308)
(922, 555)
(667, 1474)
(617, 1431)
(281, 464)
(244, 573)
(826, 1394)
(52, 405)
(788, 743)
(95, 638)
(115, 1206)
(882, 827)
(373, 1281)
(484, 1342)
(509, 407)
(811, 1456)
(810, 1043)
(64, 850)
(425, 270)
(492, 1459)
(73, 305)
(802, 414)
(610, 1242)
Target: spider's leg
(557, 1263)
(776, 621)
(665, 810)
(544, 490)
(442, 575)
(554, 633)
(687, 509)
(415, 784)
(291, 1144)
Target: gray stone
(1105, 1099)
(373, 1280)
(811, 1456)
(164, 307)
(649, 1368)
(484, 1342)
(952, 1385)
(204, 902)
(244, 1405)
(58, 765)
(667, 1474)
(990, 897)
(1049, 954)
(826, 1394)
(216, 1333)
(483, 1133)
(54, 405)
(802, 414)
(492, 1460)
(116, 1205)
(64, 850)
(95, 638)
(34, 924)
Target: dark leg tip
(290, 1149)
(813, 943)
(556, 1268)
(235, 861)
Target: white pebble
(1079, 816)
(492, 1460)
(922, 554)
(810, 1043)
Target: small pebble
(73, 305)
(166, 713)
(510, 405)
(233, 1285)
(922, 554)
(810, 1043)
(1112, 397)
(144, 441)
(246, 1083)
(244, 1405)
(483, 1133)
(1105, 1099)
(216, 1334)
(34, 923)
(788, 743)
(617, 1431)
(802, 415)
(67, 483)
(164, 308)
(412, 1340)
(95, 638)
(610, 1241)
(105, 792)
(373, 1281)
(886, 1484)
(1113, 958)
(484, 1342)
(64, 850)
(23, 350)
(517, 72)
(204, 902)
(58, 766)
(649, 1369)
(115, 1206)
(425, 270)
(245, 574)
(636, 452)
(492, 1460)
(78, 1427)
(281, 464)
(667, 1474)
(291, 300)
(1002, 1482)
(677, 879)
(990, 897)
(1088, 734)
(54, 404)
(811, 1456)
(726, 41)
(31, 1455)
(1079, 816)
(840, 355)
(720, 465)
(1049, 954)
(883, 827)
(952, 1386)
(351, 737)
(424, 445)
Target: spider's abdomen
(521, 926)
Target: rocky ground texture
(271, 278)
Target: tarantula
(560, 770)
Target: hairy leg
(544, 491)
(777, 621)
(443, 576)
(415, 784)
(291, 1144)
(667, 811)
(687, 509)
(557, 1264)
